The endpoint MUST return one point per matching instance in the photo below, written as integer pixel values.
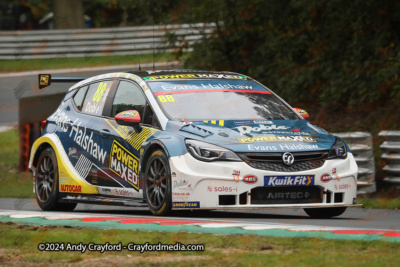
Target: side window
(96, 98)
(129, 96)
(150, 117)
(79, 96)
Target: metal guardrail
(360, 144)
(391, 155)
(99, 42)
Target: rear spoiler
(46, 80)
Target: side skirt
(101, 200)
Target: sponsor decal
(116, 192)
(222, 189)
(123, 192)
(128, 114)
(334, 172)
(250, 179)
(297, 147)
(262, 148)
(236, 176)
(282, 147)
(61, 119)
(276, 138)
(288, 195)
(44, 80)
(302, 180)
(342, 187)
(70, 188)
(87, 143)
(105, 190)
(64, 179)
(185, 205)
(124, 164)
(181, 183)
(72, 151)
(243, 122)
(180, 195)
(326, 177)
(301, 111)
(248, 129)
(222, 155)
(263, 122)
(196, 76)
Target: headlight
(208, 152)
(338, 150)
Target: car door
(125, 148)
(89, 140)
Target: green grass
(379, 203)
(12, 182)
(19, 245)
(7, 66)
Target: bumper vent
(303, 161)
(286, 195)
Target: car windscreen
(198, 100)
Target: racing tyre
(322, 213)
(46, 183)
(158, 184)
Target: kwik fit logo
(302, 180)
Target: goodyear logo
(276, 138)
(299, 180)
(124, 164)
(185, 205)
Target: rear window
(79, 96)
(96, 98)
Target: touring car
(187, 140)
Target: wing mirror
(302, 113)
(129, 118)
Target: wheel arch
(152, 147)
(38, 152)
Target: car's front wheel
(46, 183)
(323, 213)
(158, 184)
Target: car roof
(145, 73)
(141, 77)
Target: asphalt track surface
(353, 218)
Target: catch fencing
(391, 155)
(360, 144)
(86, 43)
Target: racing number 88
(99, 93)
(167, 98)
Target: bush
(336, 52)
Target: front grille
(303, 161)
(286, 195)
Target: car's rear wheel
(46, 183)
(322, 213)
(158, 184)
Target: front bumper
(212, 185)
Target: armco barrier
(99, 42)
(391, 155)
(360, 144)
